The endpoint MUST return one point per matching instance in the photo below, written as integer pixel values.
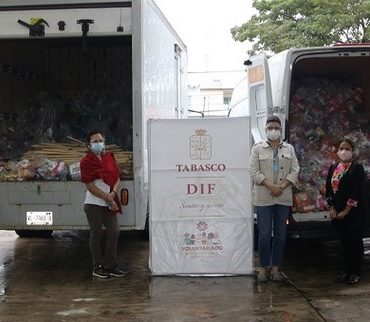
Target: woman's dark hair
(273, 118)
(349, 141)
(88, 137)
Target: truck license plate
(39, 218)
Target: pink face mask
(344, 155)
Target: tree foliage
(283, 24)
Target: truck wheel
(24, 233)
(44, 233)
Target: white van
(320, 94)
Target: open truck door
(260, 98)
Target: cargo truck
(69, 67)
(321, 95)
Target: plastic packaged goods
(63, 176)
(50, 118)
(322, 112)
(39, 169)
(303, 202)
(9, 171)
(75, 171)
(57, 170)
(52, 170)
(25, 170)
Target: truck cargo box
(70, 67)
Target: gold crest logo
(200, 145)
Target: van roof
(327, 49)
(351, 44)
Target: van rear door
(260, 98)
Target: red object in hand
(303, 202)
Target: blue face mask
(97, 147)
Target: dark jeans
(352, 247)
(97, 216)
(271, 219)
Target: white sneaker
(262, 276)
(277, 276)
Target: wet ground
(50, 280)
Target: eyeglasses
(270, 128)
(97, 141)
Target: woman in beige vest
(274, 168)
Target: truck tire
(24, 233)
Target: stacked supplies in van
(322, 112)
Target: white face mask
(345, 155)
(273, 135)
(97, 147)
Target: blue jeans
(271, 218)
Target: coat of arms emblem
(200, 145)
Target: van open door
(260, 99)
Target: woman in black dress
(345, 193)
